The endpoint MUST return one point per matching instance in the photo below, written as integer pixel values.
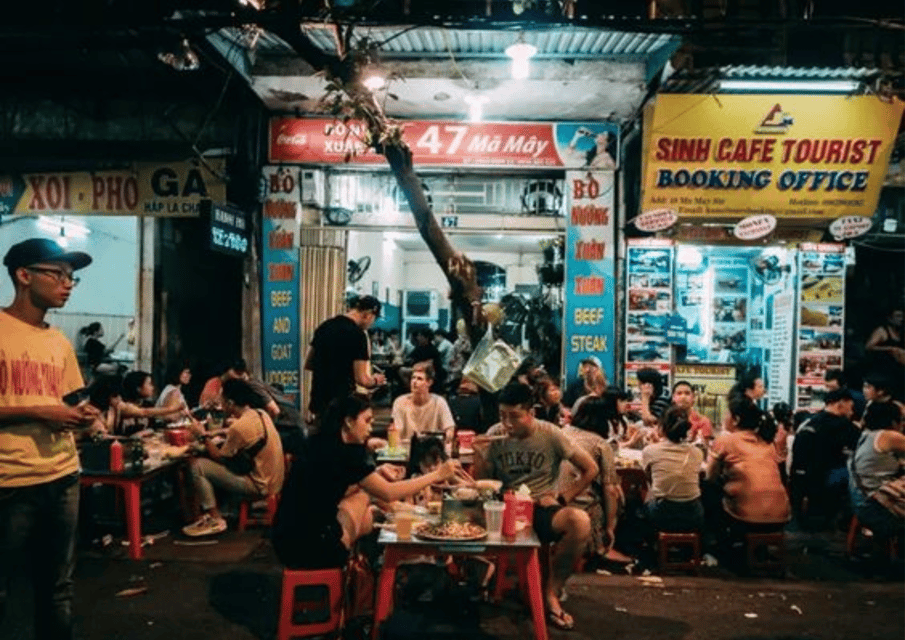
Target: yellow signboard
(174, 189)
(790, 156)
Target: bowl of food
(465, 493)
(493, 486)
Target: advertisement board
(821, 338)
(527, 145)
(173, 189)
(590, 276)
(807, 157)
(280, 287)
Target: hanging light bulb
(520, 52)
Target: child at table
(325, 505)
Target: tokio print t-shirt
(533, 461)
(37, 367)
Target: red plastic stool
(679, 541)
(310, 603)
(773, 546)
(264, 520)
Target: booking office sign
(803, 157)
(590, 272)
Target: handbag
(242, 462)
(891, 494)
(492, 363)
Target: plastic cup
(404, 525)
(493, 516)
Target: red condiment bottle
(116, 456)
(509, 514)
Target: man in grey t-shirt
(531, 454)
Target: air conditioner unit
(420, 305)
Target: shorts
(325, 551)
(543, 523)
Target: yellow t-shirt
(37, 367)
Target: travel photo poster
(820, 334)
(650, 301)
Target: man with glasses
(39, 464)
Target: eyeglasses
(57, 274)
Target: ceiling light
(374, 82)
(475, 107)
(825, 86)
(520, 52)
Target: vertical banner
(822, 305)
(590, 300)
(280, 287)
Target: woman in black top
(322, 512)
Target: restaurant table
(525, 547)
(130, 481)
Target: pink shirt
(753, 491)
(699, 425)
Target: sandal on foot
(561, 620)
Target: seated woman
(251, 434)
(602, 498)
(105, 394)
(745, 460)
(325, 504)
(615, 407)
(177, 379)
(877, 459)
(673, 466)
(138, 389)
(549, 402)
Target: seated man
(422, 411)
(683, 396)
(531, 454)
(237, 370)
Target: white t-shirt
(433, 415)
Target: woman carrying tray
(325, 503)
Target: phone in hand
(76, 397)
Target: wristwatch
(560, 500)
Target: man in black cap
(339, 355)
(39, 464)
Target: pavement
(229, 589)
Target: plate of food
(451, 532)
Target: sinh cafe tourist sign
(727, 157)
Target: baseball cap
(35, 250)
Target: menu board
(280, 287)
(649, 308)
(822, 309)
(590, 291)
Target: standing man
(531, 454)
(39, 464)
(338, 357)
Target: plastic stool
(690, 541)
(310, 603)
(264, 520)
(773, 545)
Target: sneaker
(206, 525)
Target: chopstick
(489, 438)
(464, 475)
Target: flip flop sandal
(559, 620)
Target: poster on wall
(734, 300)
(650, 303)
(590, 289)
(280, 287)
(822, 309)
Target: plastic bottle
(116, 456)
(509, 509)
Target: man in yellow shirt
(39, 464)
